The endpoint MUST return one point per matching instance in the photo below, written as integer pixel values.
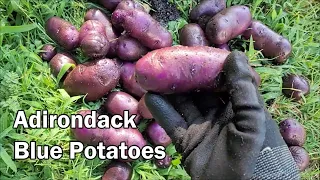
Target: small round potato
(228, 24)
(62, 32)
(295, 86)
(130, 49)
(48, 53)
(58, 61)
(94, 79)
(158, 135)
(192, 35)
(118, 171)
(300, 156)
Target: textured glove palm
(225, 136)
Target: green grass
(26, 83)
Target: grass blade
(63, 70)
(17, 29)
(7, 159)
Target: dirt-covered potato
(300, 156)
(272, 44)
(58, 61)
(62, 32)
(128, 80)
(91, 26)
(94, 79)
(192, 35)
(96, 14)
(143, 27)
(228, 24)
(117, 102)
(95, 45)
(295, 86)
(48, 52)
(205, 10)
(293, 132)
(130, 49)
(118, 171)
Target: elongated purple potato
(96, 14)
(300, 156)
(143, 109)
(62, 32)
(95, 78)
(95, 45)
(118, 102)
(228, 24)
(129, 82)
(130, 49)
(192, 35)
(205, 10)
(292, 132)
(295, 86)
(131, 4)
(158, 135)
(143, 27)
(118, 171)
(180, 69)
(58, 61)
(48, 53)
(91, 26)
(164, 163)
(272, 44)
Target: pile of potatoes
(131, 49)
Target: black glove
(225, 136)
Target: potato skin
(109, 4)
(95, 45)
(62, 32)
(95, 78)
(96, 14)
(128, 80)
(192, 35)
(205, 10)
(118, 171)
(293, 132)
(118, 102)
(143, 27)
(223, 46)
(143, 109)
(228, 24)
(91, 26)
(294, 86)
(130, 49)
(48, 53)
(300, 156)
(58, 61)
(158, 135)
(271, 43)
(164, 163)
(180, 69)
(129, 4)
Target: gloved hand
(225, 136)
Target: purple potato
(292, 132)
(58, 61)
(118, 171)
(109, 4)
(95, 45)
(129, 82)
(129, 4)
(48, 53)
(62, 32)
(223, 46)
(143, 109)
(130, 49)
(91, 26)
(157, 134)
(295, 86)
(192, 35)
(300, 156)
(164, 163)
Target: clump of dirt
(164, 11)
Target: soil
(164, 11)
